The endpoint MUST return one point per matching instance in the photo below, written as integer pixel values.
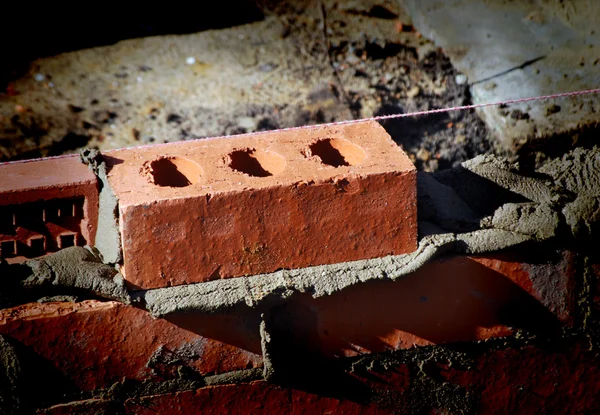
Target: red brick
(46, 205)
(98, 343)
(254, 398)
(533, 380)
(450, 300)
(226, 207)
(551, 282)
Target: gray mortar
(578, 172)
(539, 220)
(75, 267)
(583, 216)
(495, 178)
(108, 237)
(488, 240)
(268, 372)
(10, 372)
(238, 376)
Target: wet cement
(10, 372)
(108, 237)
(74, 268)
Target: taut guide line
(382, 117)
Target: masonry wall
(481, 319)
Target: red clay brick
(226, 207)
(98, 343)
(46, 205)
(253, 398)
(551, 282)
(565, 380)
(452, 299)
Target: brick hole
(78, 208)
(37, 245)
(174, 172)
(256, 163)
(30, 213)
(337, 152)
(66, 209)
(66, 240)
(7, 220)
(8, 249)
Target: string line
(377, 118)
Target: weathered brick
(253, 398)
(95, 344)
(46, 205)
(452, 299)
(550, 280)
(225, 207)
(564, 380)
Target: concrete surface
(518, 49)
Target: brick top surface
(204, 167)
(44, 173)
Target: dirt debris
(300, 64)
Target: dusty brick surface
(253, 398)
(450, 300)
(95, 344)
(551, 280)
(226, 207)
(564, 380)
(46, 205)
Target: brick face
(563, 380)
(253, 398)
(95, 344)
(551, 280)
(46, 205)
(450, 300)
(250, 205)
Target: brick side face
(253, 398)
(290, 201)
(533, 380)
(95, 344)
(453, 299)
(46, 205)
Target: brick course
(95, 344)
(46, 205)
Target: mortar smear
(108, 237)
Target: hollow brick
(226, 207)
(46, 205)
